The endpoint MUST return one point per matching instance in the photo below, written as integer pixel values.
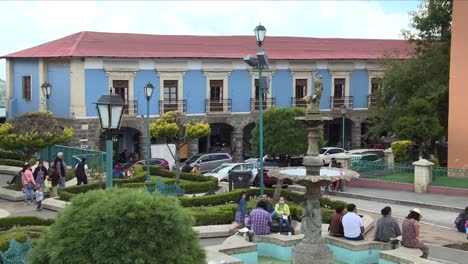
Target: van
(207, 161)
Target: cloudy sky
(26, 24)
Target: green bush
(15, 221)
(400, 150)
(156, 170)
(21, 234)
(10, 155)
(12, 162)
(70, 175)
(121, 226)
(137, 177)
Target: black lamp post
(343, 110)
(149, 88)
(46, 91)
(110, 109)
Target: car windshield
(223, 168)
(322, 151)
(193, 158)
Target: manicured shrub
(121, 226)
(21, 234)
(11, 162)
(9, 155)
(16, 221)
(400, 150)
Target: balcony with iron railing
(131, 108)
(218, 105)
(267, 103)
(337, 102)
(297, 102)
(172, 105)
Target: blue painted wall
(240, 90)
(96, 84)
(325, 101)
(195, 91)
(141, 79)
(59, 102)
(282, 88)
(359, 88)
(25, 67)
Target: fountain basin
(298, 174)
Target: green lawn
(438, 181)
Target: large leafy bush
(121, 226)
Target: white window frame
(218, 75)
(254, 75)
(373, 74)
(115, 75)
(302, 75)
(339, 75)
(170, 76)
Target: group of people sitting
(387, 229)
(261, 219)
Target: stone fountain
(312, 248)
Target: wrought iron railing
(266, 103)
(371, 100)
(337, 102)
(73, 155)
(297, 102)
(172, 105)
(379, 168)
(131, 108)
(217, 105)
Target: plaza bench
(166, 189)
(17, 252)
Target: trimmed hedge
(11, 162)
(10, 155)
(15, 221)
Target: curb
(401, 202)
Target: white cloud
(31, 23)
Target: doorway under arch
(125, 140)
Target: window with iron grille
(170, 91)
(121, 88)
(339, 88)
(27, 88)
(301, 88)
(216, 90)
(257, 86)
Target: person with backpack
(61, 169)
(462, 220)
(81, 172)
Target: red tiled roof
(124, 45)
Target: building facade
(204, 77)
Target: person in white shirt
(352, 224)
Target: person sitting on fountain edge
(269, 207)
(336, 225)
(260, 219)
(283, 213)
(352, 224)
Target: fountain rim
(348, 175)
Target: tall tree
(32, 132)
(424, 76)
(170, 126)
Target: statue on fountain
(313, 101)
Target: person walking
(61, 168)
(387, 227)
(27, 179)
(54, 179)
(241, 213)
(283, 213)
(352, 224)
(40, 174)
(39, 199)
(81, 172)
(411, 230)
(260, 219)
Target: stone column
(422, 175)
(389, 157)
(237, 144)
(356, 135)
(344, 159)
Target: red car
(268, 181)
(156, 162)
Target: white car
(222, 171)
(326, 154)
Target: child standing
(39, 198)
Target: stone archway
(333, 133)
(220, 139)
(247, 135)
(126, 138)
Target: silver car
(222, 172)
(207, 161)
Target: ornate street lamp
(260, 63)
(110, 109)
(46, 91)
(149, 88)
(343, 110)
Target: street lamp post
(110, 109)
(343, 110)
(46, 91)
(149, 88)
(260, 63)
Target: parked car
(222, 171)
(156, 162)
(326, 154)
(207, 161)
(366, 157)
(378, 152)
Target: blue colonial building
(204, 77)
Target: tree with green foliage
(32, 132)
(120, 226)
(421, 80)
(171, 127)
